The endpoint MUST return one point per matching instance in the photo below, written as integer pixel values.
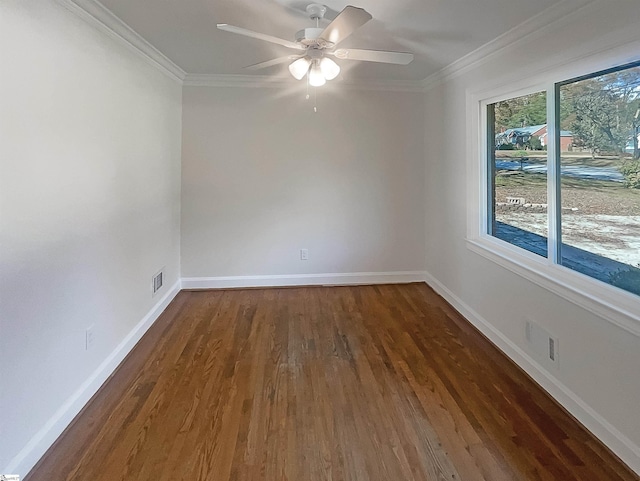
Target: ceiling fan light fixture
(300, 67)
(316, 77)
(314, 46)
(329, 68)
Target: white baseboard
(620, 444)
(26, 459)
(339, 279)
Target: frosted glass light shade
(329, 68)
(316, 77)
(299, 68)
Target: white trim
(615, 305)
(620, 444)
(608, 434)
(262, 81)
(97, 15)
(554, 179)
(102, 18)
(517, 34)
(333, 279)
(26, 459)
(619, 49)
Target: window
(518, 163)
(600, 176)
(563, 174)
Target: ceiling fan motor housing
(311, 38)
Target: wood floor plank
(365, 383)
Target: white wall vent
(542, 343)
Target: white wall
(263, 176)
(599, 363)
(89, 210)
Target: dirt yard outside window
(598, 216)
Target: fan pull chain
(315, 90)
(315, 96)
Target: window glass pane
(518, 177)
(600, 177)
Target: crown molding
(262, 81)
(518, 34)
(96, 14)
(102, 18)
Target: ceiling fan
(317, 45)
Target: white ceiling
(438, 32)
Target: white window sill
(615, 305)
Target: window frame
(619, 307)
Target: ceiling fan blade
(399, 58)
(259, 36)
(347, 22)
(271, 63)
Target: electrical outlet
(89, 338)
(304, 254)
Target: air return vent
(156, 282)
(541, 342)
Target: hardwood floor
(322, 383)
